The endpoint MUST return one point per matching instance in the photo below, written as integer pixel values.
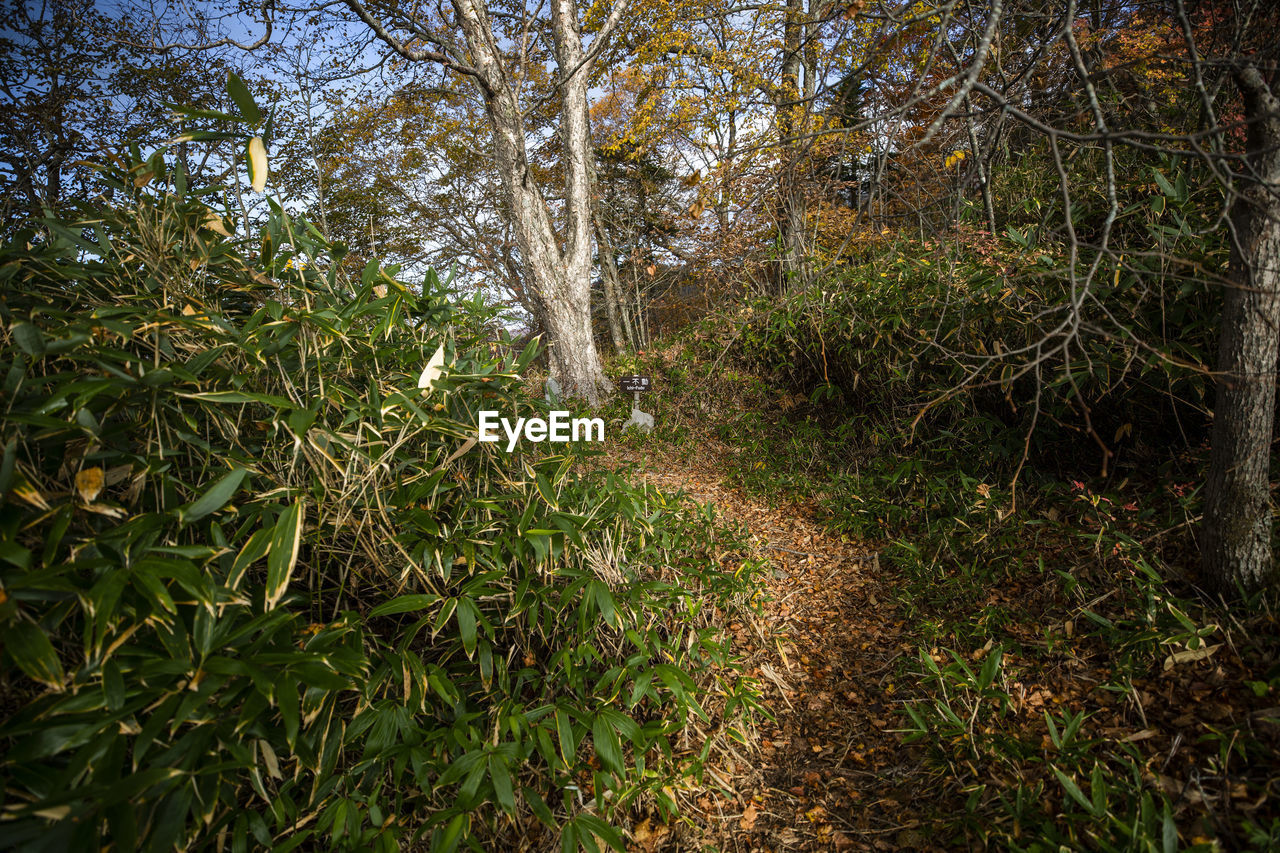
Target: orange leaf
(89, 483)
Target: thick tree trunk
(1236, 535)
(559, 280)
(580, 372)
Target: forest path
(829, 773)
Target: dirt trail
(829, 774)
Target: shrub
(261, 588)
(978, 335)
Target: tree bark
(609, 276)
(558, 272)
(608, 268)
(1236, 535)
(791, 213)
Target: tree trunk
(1236, 536)
(558, 279)
(608, 269)
(609, 276)
(580, 372)
(791, 203)
(980, 167)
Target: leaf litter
(829, 773)
(832, 653)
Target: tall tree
(1236, 541)
(74, 79)
(497, 50)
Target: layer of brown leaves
(829, 774)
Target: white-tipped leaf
(257, 164)
(431, 373)
(286, 539)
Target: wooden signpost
(637, 384)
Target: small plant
(966, 702)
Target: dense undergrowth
(1072, 688)
(260, 590)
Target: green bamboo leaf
(191, 112)
(123, 821)
(1098, 788)
(15, 554)
(442, 618)
(641, 688)
(486, 664)
(255, 549)
(113, 685)
(1072, 789)
(501, 778)
(29, 338)
(604, 600)
(467, 624)
(527, 356)
(622, 724)
(186, 573)
(539, 807)
(1168, 832)
(608, 747)
(29, 647)
(241, 397)
(990, 667)
(588, 842)
(602, 830)
(8, 462)
(215, 498)
(452, 835)
(564, 731)
(239, 93)
(285, 542)
(569, 839)
(287, 698)
(544, 489)
(404, 604)
(1054, 737)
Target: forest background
(990, 288)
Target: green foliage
(1044, 614)
(261, 589)
(979, 337)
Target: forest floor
(1164, 708)
(828, 772)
